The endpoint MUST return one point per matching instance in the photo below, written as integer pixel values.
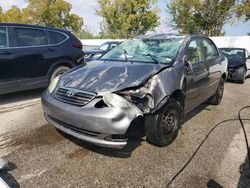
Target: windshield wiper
(153, 58)
(126, 55)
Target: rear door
(197, 79)
(31, 51)
(213, 64)
(8, 68)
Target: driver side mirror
(188, 66)
(248, 57)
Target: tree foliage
(242, 9)
(15, 15)
(127, 18)
(205, 17)
(54, 13)
(86, 34)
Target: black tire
(216, 99)
(243, 77)
(58, 71)
(162, 127)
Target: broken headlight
(139, 97)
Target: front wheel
(162, 127)
(58, 71)
(216, 99)
(243, 76)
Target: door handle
(50, 50)
(6, 53)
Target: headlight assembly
(53, 84)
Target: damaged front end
(148, 98)
(105, 118)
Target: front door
(197, 78)
(8, 68)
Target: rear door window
(30, 37)
(3, 37)
(57, 37)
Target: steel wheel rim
(169, 121)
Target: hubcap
(169, 121)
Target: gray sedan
(157, 77)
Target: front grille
(74, 96)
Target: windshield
(146, 50)
(233, 53)
(103, 47)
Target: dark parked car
(99, 51)
(30, 56)
(160, 77)
(238, 63)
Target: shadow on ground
(213, 184)
(244, 181)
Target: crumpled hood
(233, 62)
(101, 77)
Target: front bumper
(94, 125)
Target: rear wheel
(216, 99)
(162, 127)
(58, 71)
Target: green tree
(206, 17)
(53, 13)
(86, 34)
(242, 9)
(1, 15)
(15, 15)
(127, 18)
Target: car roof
(33, 26)
(233, 48)
(170, 35)
(111, 42)
(161, 36)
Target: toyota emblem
(70, 93)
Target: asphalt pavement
(42, 157)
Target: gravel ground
(41, 157)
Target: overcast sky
(86, 9)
